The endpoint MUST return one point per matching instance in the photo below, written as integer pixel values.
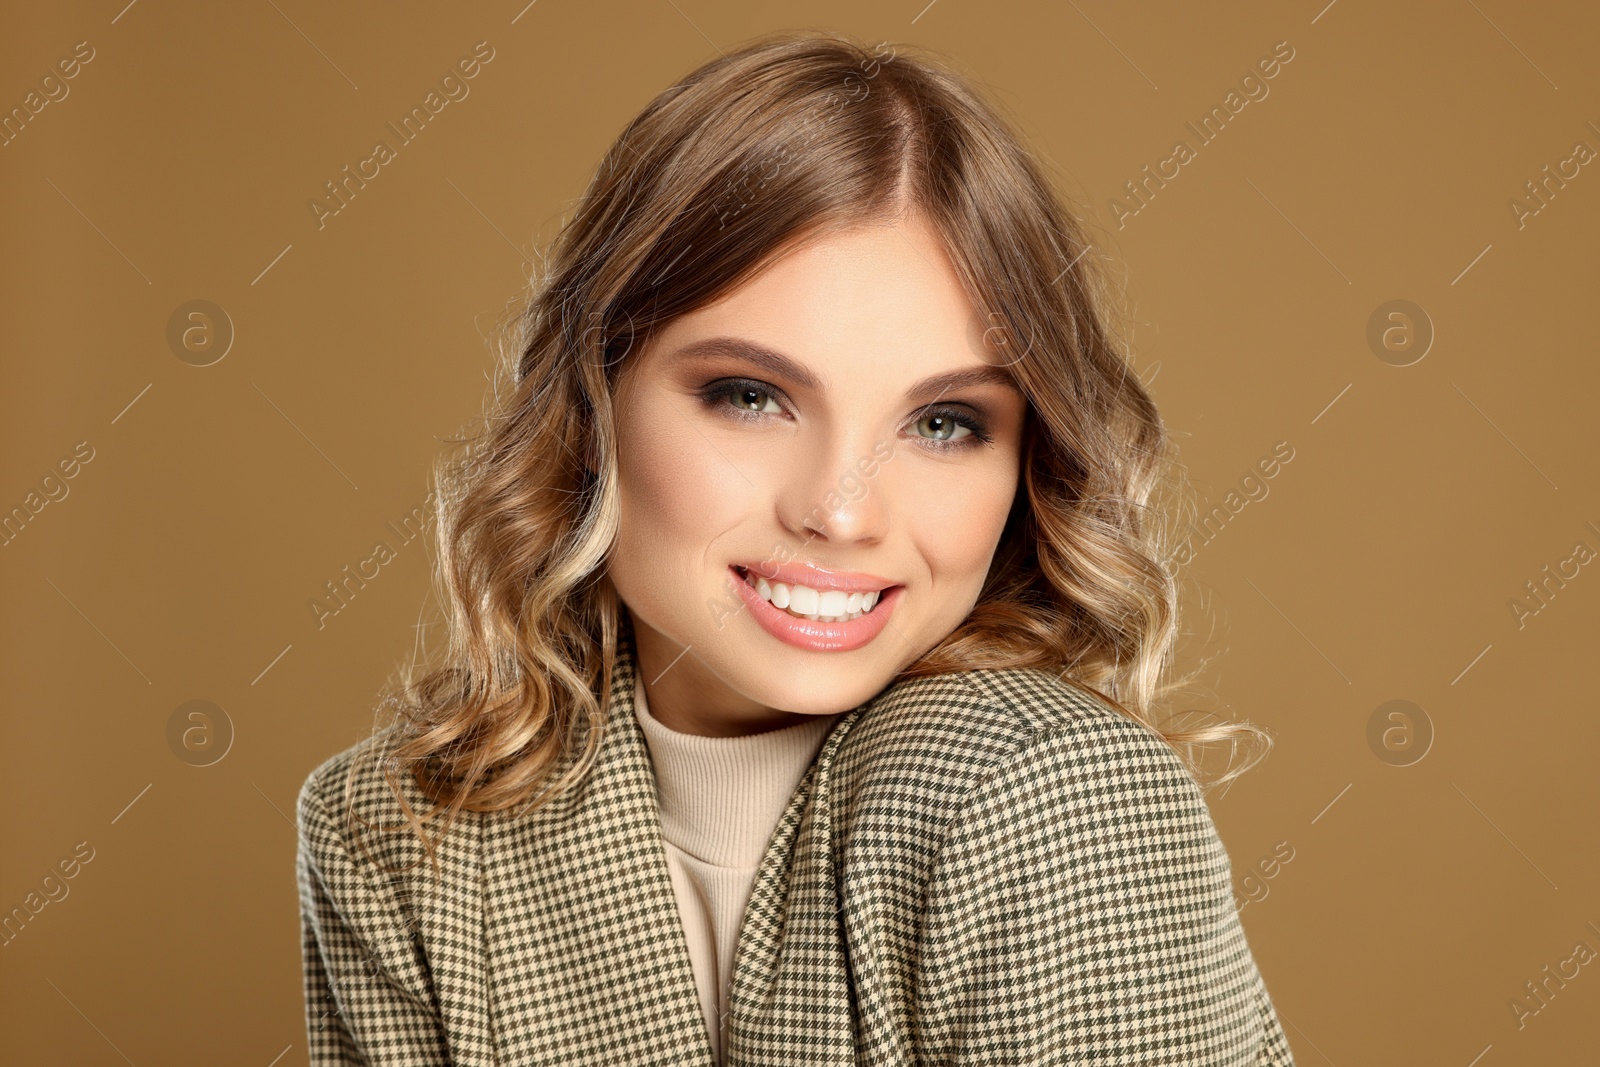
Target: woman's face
(796, 429)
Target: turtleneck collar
(720, 797)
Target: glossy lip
(818, 578)
(817, 636)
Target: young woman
(807, 627)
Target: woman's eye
(750, 399)
(741, 399)
(944, 428)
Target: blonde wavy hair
(791, 135)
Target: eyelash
(714, 395)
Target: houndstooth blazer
(987, 867)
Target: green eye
(946, 426)
(947, 429)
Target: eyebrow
(780, 365)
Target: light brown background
(1420, 898)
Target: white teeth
(833, 602)
(803, 600)
(832, 605)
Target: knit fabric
(720, 798)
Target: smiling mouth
(816, 605)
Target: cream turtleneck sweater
(720, 800)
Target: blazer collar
(583, 946)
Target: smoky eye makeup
(749, 400)
(741, 396)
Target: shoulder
(951, 732)
(946, 751)
(356, 867)
(1075, 900)
(346, 799)
(325, 794)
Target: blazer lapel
(575, 950)
(791, 999)
(586, 958)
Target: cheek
(956, 516)
(677, 495)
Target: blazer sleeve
(357, 1013)
(1081, 911)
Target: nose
(839, 496)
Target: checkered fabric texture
(988, 867)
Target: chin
(806, 683)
